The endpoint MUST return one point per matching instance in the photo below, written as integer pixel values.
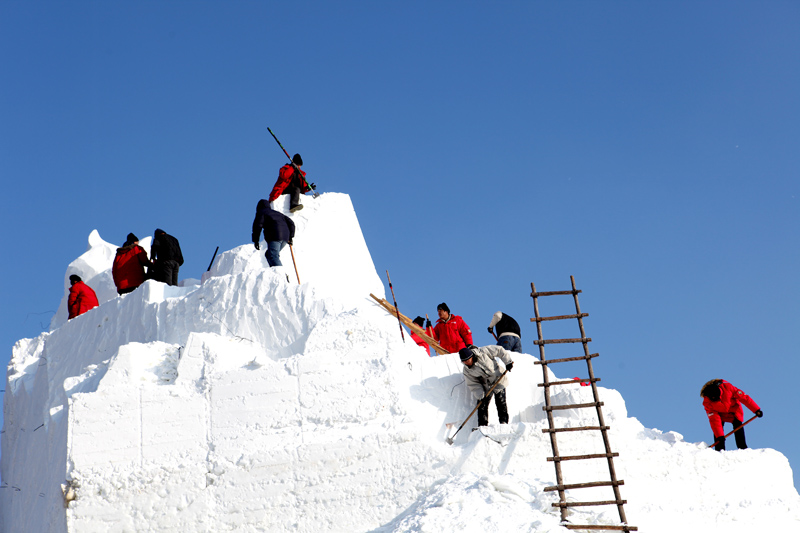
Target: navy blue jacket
(276, 226)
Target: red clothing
(128, 269)
(452, 334)
(728, 407)
(421, 343)
(285, 175)
(81, 299)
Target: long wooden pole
(399, 323)
(735, 430)
(295, 265)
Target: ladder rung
(601, 527)
(570, 382)
(581, 457)
(559, 317)
(565, 359)
(571, 406)
(585, 485)
(589, 504)
(582, 428)
(561, 341)
(554, 293)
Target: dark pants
(293, 190)
(500, 403)
(126, 291)
(510, 343)
(739, 435)
(166, 272)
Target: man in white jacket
(481, 370)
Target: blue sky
(650, 149)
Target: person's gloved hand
(290, 242)
(759, 413)
(427, 324)
(509, 366)
(490, 329)
(313, 186)
(258, 246)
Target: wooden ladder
(557, 459)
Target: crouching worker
(81, 297)
(481, 371)
(722, 402)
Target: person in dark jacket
(289, 182)
(278, 231)
(508, 335)
(165, 252)
(129, 265)
(81, 297)
(722, 402)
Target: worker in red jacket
(81, 297)
(451, 331)
(416, 338)
(723, 403)
(129, 264)
(289, 182)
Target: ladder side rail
(553, 442)
(601, 420)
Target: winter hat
(159, 231)
(465, 353)
(419, 321)
(443, 307)
(131, 239)
(75, 278)
(297, 160)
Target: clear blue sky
(650, 149)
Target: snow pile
(250, 403)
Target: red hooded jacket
(285, 175)
(128, 268)
(728, 407)
(81, 299)
(421, 343)
(452, 334)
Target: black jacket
(166, 248)
(276, 226)
(507, 325)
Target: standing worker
(165, 252)
(722, 402)
(278, 231)
(81, 297)
(289, 182)
(508, 335)
(451, 331)
(481, 371)
(128, 267)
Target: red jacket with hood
(128, 268)
(81, 299)
(285, 175)
(728, 407)
(453, 333)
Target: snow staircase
(557, 459)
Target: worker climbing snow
(508, 335)
(291, 183)
(722, 402)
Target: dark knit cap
(74, 278)
(443, 307)
(297, 160)
(465, 353)
(419, 321)
(131, 239)
(159, 231)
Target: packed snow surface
(247, 403)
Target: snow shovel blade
(449, 441)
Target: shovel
(450, 439)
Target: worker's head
(419, 321)
(159, 232)
(297, 160)
(131, 239)
(711, 390)
(467, 356)
(74, 278)
(443, 310)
